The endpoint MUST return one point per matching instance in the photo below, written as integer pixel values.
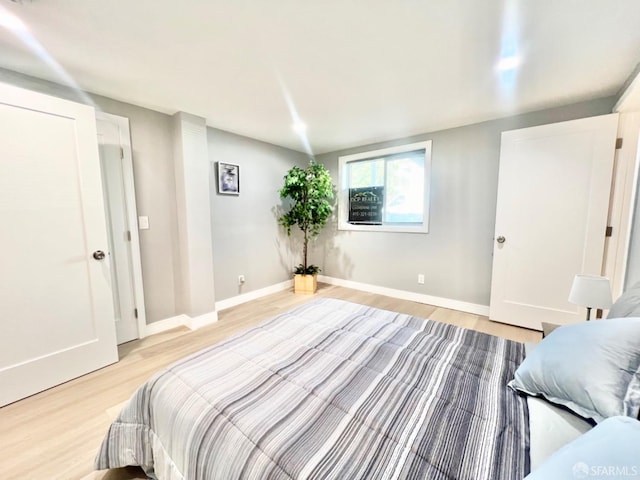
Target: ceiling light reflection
(509, 63)
(9, 21)
(14, 24)
(299, 127)
(510, 58)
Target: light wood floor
(56, 434)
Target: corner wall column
(194, 218)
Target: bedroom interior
(165, 265)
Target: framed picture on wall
(228, 179)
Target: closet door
(56, 312)
(553, 200)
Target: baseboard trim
(203, 320)
(253, 295)
(200, 321)
(212, 317)
(449, 303)
(182, 320)
(164, 325)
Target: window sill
(383, 228)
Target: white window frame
(343, 190)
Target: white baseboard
(253, 295)
(164, 325)
(182, 320)
(449, 303)
(212, 317)
(200, 321)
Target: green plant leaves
(309, 270)
(310, 192)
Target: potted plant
(310, 193)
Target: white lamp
(591, 291)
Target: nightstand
(547, 328)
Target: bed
(331, 390)
(337, 390)
(582, 384)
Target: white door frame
(132, 216)
(623, 200)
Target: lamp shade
(591, 291)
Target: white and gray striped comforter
(331, 390)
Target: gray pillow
(592, 368)
(628, 304)
(610, 450)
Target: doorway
(553, 200)
(55, 295)
(121, 216)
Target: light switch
(143, 223)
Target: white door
(124, 253)
(553, 199)
(56, 311)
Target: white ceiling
(355, 71)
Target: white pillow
(591, 368)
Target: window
(386, 190)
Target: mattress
(331, 390)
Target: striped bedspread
(331, 390)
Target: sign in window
(386, 190)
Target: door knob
(501, 239)
(98, 255)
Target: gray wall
(246, 237)
(456, 255)
(153, 169)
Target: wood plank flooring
(56, 434)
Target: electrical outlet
(240, 279)
(421, 278)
